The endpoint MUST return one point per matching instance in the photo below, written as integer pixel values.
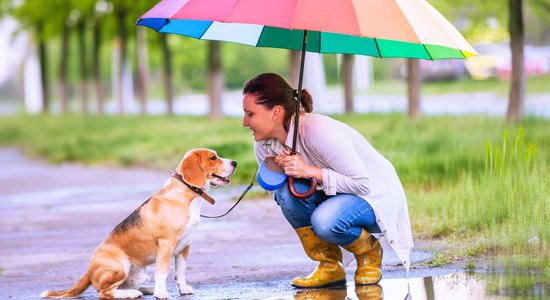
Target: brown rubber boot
(368, 254)
(330, 271)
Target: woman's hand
(296, 167)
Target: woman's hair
(271, 90)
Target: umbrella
(378, 28)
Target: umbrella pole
(299, 98)
(290, 181)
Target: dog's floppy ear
(191, 170)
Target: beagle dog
(159, 229)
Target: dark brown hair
(271, 90)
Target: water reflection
(365, 292)
(453, 286)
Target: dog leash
(239, 200)
(206, 197)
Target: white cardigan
(351, 165)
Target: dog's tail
(76, 290)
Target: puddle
(452, 286)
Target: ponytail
(306, 101)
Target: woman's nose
(245, 121)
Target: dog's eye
(213, 158)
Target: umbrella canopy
(379, 28)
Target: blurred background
(79, 82)
(88, 57)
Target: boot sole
(331, 284)
(370, 283)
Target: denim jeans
(336, 219)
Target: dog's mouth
(220, 180)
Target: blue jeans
(336, 219)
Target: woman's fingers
(293, 165)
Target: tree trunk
(294, 72)
(100, 98)
(347, 78)
(516, 96)
(143, 68)
(414, 83)
(63, 69)
(167, 74)
(215, 80)
(43, 58)
(81, 32)
(120, 41)
(117, 76)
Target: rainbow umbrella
(378, 28)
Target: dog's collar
(195, 189)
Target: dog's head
(200, 167)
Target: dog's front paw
(161, 294)
(185, 289)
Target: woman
(358, 190)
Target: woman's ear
(278, 113)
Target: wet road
(53, 217)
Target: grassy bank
(466, 85)
(473, 181)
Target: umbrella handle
(296, 194)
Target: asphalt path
(52, 217)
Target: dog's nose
(233, 163)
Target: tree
(35, 18)
(81, 31)
(63, 67)
(120, 13)
(167, 74)
(101, 8)
(347, 78)
(414, 84)
(215, 80)
(143, 67)
(294, 67)
(516, 96)
(477, 13)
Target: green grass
(463, 85)
(474, 181)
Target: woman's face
(263, 122)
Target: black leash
(240, 198)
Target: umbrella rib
(260, 35)
(377, 47)
(320, 41)
(424, 46)
(204, 32)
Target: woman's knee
(325, 225)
